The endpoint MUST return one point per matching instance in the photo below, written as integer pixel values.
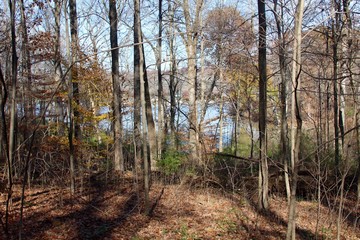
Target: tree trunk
(221, 109)
(191, 39)
(57, 66)
(335, 28)
(151, 132)
(263, 165)
(4, 143)
(137, 30)
(11, 147)
(137, 83)
(172, 84)
(283, 95)
(74, 128)
(160, 133)
(28, 107)
(117, 101)
(296, 121)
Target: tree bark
(335, 35)
(144, 136)
(283, 95)
(11, 146)
(117, 95)
(57, 65)
(296, 121)
(151, 131)
(191, 40)
(137, 83)
(74, 127)
(160, 132)
(172, 84)
(263, 165)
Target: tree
(282, 55)
(296, 121)
(263, 165)
(139, 62)
(190, 38)
(137, 82)
(228, 40)
(160, 86)
(118, 148)
(74, 127)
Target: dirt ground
(178, 212)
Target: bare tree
(278, 15)
(296, 121)
(190, 38)
(137, 99)
(263, 165)
(117, 101)
(160, 132)
(74, 127)
(139, 66)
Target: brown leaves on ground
(178, 212)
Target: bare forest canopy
(242, 96)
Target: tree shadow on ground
(90, 221)
(275, 220)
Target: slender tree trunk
(237, 125)
(283, 95)
(151, 132)
(335, 29)
(296, 121)
(172, 84)
(11, 146)
(57, 65)
(318, 157)
(160, 133)
(263, 165)
(117, 101)
(221, 135)
(137, 83)
(144, 136)
(28, 108)
(5, 143)
(172, 90)
(74, 128)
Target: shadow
(273, 218)
(350, 212)
(90, 219)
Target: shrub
(171, 162)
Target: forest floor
(178, 212)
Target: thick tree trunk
(190, 38)
(193, 122)
(151, 131)
(117, 101)
(144, 136)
